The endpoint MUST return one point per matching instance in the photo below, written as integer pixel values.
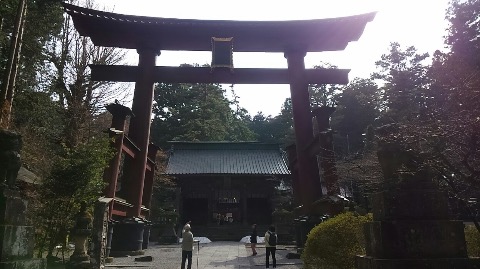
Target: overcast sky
(410, 22)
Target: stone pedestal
(80, 233)
(411, 229)
(146, 234)
(127, 238)
(16, 244)
(80, 259)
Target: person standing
(253, 239)
(187, 246)
(271, 246)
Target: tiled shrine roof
(235, 158)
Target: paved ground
(219, 255)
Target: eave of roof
(226, 158)
(133, 32)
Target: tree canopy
(196, 112)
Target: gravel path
(218, 255)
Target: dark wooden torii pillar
(116, 132)
(139, 129)
(309, 180)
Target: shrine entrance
(259, 210)
(149, 36)
(196, 210)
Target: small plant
(334, 243)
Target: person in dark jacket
(253, 239)
(270, 248)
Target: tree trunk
(6, 92)
(16, 61)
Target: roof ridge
(70, 9)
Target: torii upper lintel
(133, 32)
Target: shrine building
(226, 183)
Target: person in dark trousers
(187, 246)
(253, 239)
(271, 246)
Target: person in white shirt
(270, 246)
(187, 246)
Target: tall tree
(453, 107)
(22, 45)
(70, 81)
(278, 129)
(436, 117)
(40, 120)
(357, 108)
(282, 125)
(260, 125)
(453, 124)
(464, 31)
(8, 83)
(323, 94)
(405, 82)
(196, 112)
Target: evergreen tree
(405, 82)
(278, 129)
(25, 28)
(358, 108)
(464, 31)
(196, 112)
(323, 94)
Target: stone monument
(411, 226)
(100, 233)
(16, 244)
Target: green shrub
(75, 178)
(472, 236)
(334, 243)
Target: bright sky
(410, 22)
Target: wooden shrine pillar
(309, 180)
(149, 177)
(110, 175)
(139, 129)
(293, 166)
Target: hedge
(334, 243)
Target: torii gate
(151, 35)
